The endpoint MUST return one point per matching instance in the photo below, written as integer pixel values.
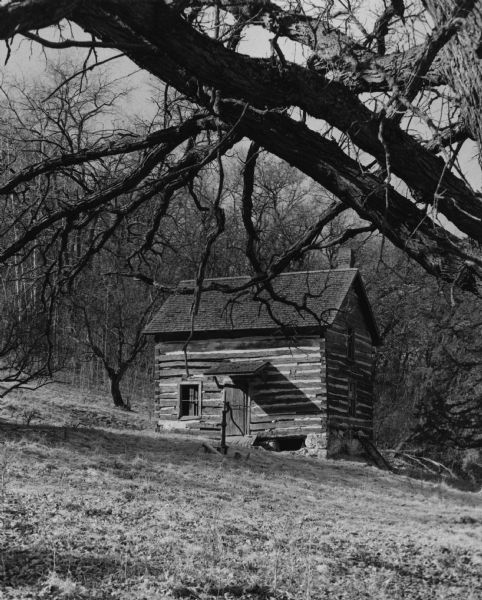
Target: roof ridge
(279, 274)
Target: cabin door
(237, 417)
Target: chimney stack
(345, 258)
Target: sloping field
(98, 513)
(62, 404)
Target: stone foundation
(316, 444)
(344, 443)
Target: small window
(352, 393)
(189, 400)
(350, 344)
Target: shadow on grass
(252, 592)
(94, 438)
(105, 445)
(174, 460)
(33, 565)
(438, 570)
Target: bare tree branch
(172, 135)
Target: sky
(27, 61)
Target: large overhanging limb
(365, 70)
(373, 71)
(172, 49)
(328, 43)
(180, 60)
(17, 16)
(408, 227)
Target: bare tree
(111, 312)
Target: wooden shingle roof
(318, 296)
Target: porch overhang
(238, 368)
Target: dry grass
(62, 404)
(92, 513)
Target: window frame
(192, 384)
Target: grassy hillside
(117, 513)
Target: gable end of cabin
(350, 359)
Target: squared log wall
(288, 399)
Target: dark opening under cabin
(297, 368)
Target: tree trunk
(115, 379)
(462, 64)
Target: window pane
(189, 400)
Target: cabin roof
(312, 299)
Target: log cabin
(290, 368)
